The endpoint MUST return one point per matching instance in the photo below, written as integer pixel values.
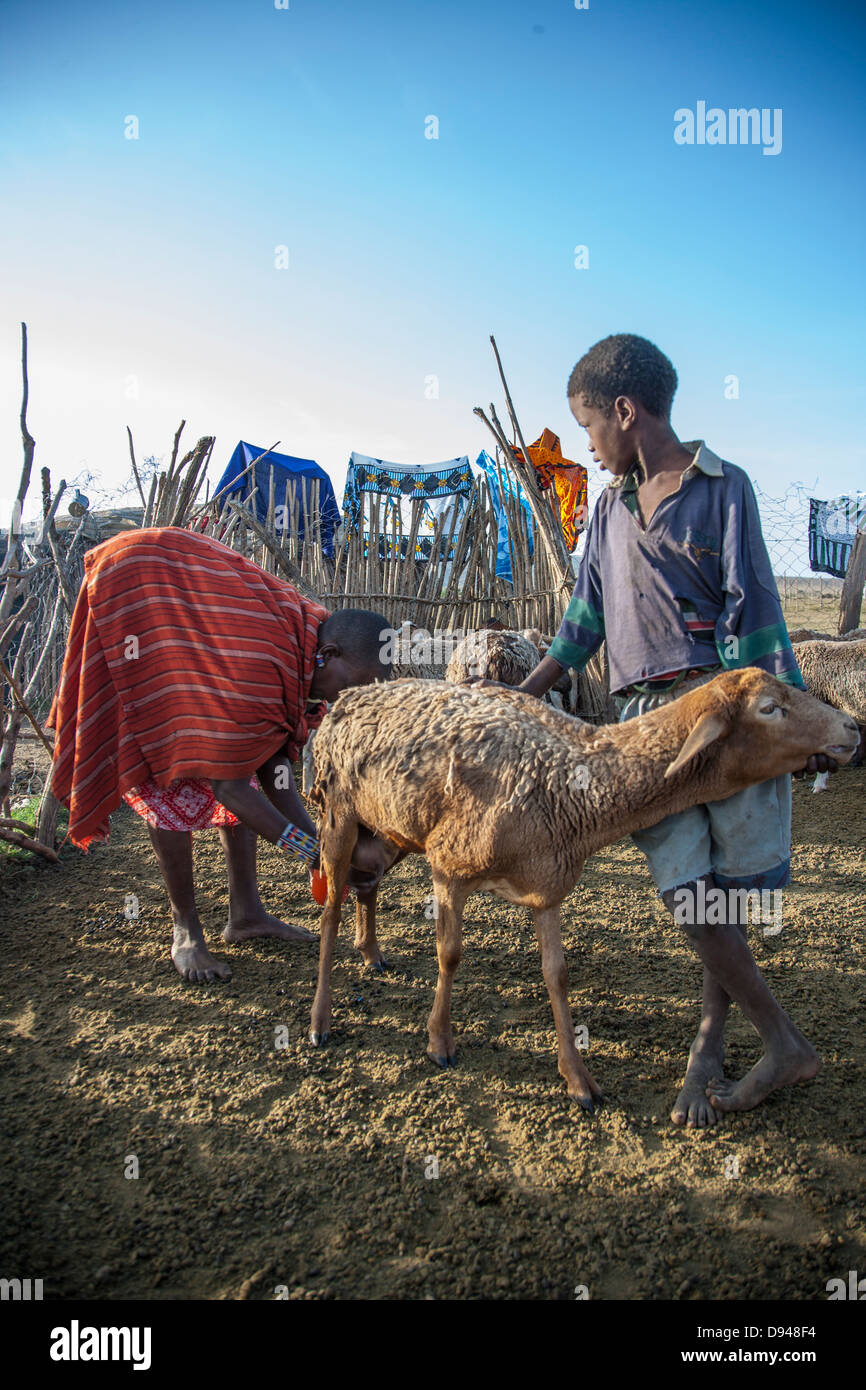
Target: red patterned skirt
(186, 804)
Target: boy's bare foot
(797, 1061)
(692, 1106)
(241, 929)
(194, 962)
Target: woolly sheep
(506, 656)
(835, 672)
(808, 634)
(504, 794)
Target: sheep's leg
(337, 845)
(365, 929)
(581, 1086)
(450, 897)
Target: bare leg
(788, 1057)
(247, 916)
(581, 1085)
(450, 900)
(338, 842)
(707, 1053)
(191, 957)
(365, 929)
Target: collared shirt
(693, 588)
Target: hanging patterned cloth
(833, 527)
(441, 487)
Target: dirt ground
(360, 1171)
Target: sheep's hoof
(442, 1060)
(379, 965)
(319, 1039)
(591, 1104)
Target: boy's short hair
(625, 365)
(358, 632)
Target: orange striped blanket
(183, 660)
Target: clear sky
(145, 268)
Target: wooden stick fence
(444, 581)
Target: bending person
(189, 670)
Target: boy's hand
(819, 762)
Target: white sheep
(835, 672)
(505, 794)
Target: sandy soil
(267, 1171)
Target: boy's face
(612, 440)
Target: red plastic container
(319, 887)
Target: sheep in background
(808, 634)
(835, 672)
(516, 803)
(505, 656)
(414, 670)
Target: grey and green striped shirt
(652, 592)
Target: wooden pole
(852, 590)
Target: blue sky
(145, 268)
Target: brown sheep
(502, 793)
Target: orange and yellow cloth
(569, 482)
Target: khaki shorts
(743, 841)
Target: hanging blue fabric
(297, 473)
(503, 551)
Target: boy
(675, 577)
(187, 669)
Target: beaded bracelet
(293, 838)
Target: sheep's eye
(768, 708)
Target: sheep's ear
(709, 727)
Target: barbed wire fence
(805, 596)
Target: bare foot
(195, 964)
(692, 1106)
(798, 1062)
(265, 925)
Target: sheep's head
(507, 657)
(762, 726)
